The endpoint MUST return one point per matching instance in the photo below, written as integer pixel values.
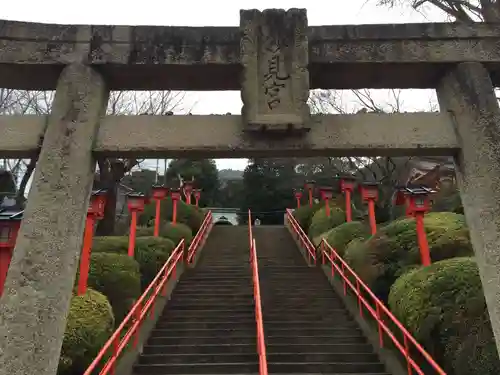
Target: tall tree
(268, 185)
(204, 172)
(466, 11)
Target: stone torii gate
(274, 58)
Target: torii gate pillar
(467, 94)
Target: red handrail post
(371, 215)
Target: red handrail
(261, 344)
(302, 237)
(130, 326)
(360, 289)
(197, 241)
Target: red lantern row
(417, 200)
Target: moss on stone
(443, 305)
(394, 249)
(89, 324)
(117, 276)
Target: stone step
(204, 298)
(203, 317)
(224, 357)
(209, 305)
(249, 339)
(252, 367)
(221, 333)
(210, 325)
(250, 348)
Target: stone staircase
(307, 328)
(208, 327)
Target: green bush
(305, 213)
(89, 324)
(381, 259)
(177, 232)
(321, 223)
(190, 215)
(340, 237)
(117, 276)
(150, 252)
(444, 307)
(173, 232)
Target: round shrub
(305, 213)
(443, 305)
(177, 232)
(321, 223)
(340, 237)
(117, 276)
(150, 252)
(145, 231)
(394, 249)
(190, 215)
(89, 324)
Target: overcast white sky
(213, 13)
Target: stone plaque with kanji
(274, 55)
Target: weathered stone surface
(41, 276)
(222, 136)
(274, 56)
(467, 94)
(197, 58)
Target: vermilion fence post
(175, 194)
(310, 187)
(135, 203)
(95, 212)
(160, 192)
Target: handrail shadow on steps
(261, 344)
(128, 332)
(386, 322)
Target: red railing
(302, 237)
(200, 237)
(376, 308)
(129, 329)
(261, 344)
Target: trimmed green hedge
(381, 259)
(173, 232)
(150, 252)
(177, 232)
(305, 213)
(190, 215)
(89, 324)
(321, 223)
(443, 305)
(117, 276)
(340, 237)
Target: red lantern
(135, 203)
(369, 194)
(298, 196)
(10, 222)
(310, 188)
(326, 195)
(176, 196)
(97, 204)
(347, 186)
(197, 196)
(159, 192)
(188, 190)
(419, 205)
